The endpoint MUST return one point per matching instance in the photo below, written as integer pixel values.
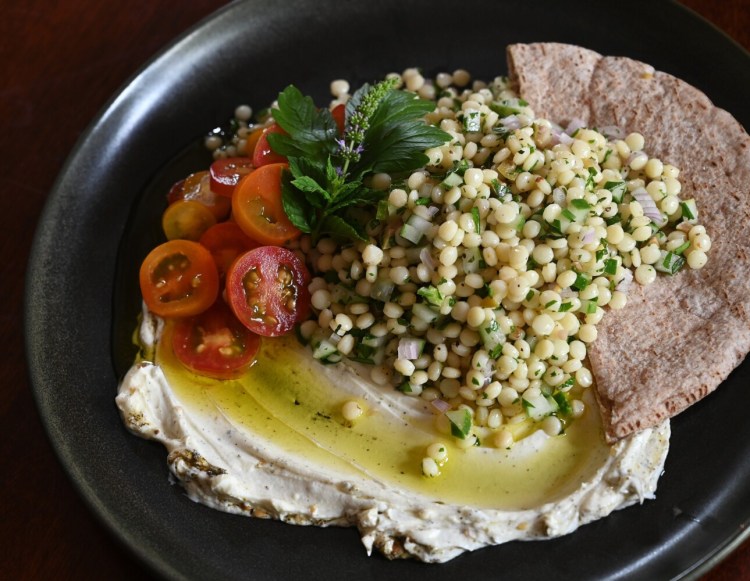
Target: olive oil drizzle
(288, 399)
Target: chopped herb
(590, 183)
(610, 266)
(475, 217)
(565, 307)
(562, 402)
(485, 291)
(406, 387)
(682, 247)
(431, 294)
(580, 204)
(582, 281)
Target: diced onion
(624, 285)
(559, 135)
(574, 125)
(409, 348)
(511, 122)
(440, 405)
(425, 257)
(649, 206)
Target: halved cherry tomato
(339, 116)
(252, 141)
(225, 173)
(226, 241)
(263, 154)
(186, 220)
(267, 290)
(179, 279)
(197, 187)
(257, 207)
(214, 343)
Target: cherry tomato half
(225, 173)
(226, 241)
(179, 279)
(186, 220)
(257, 207)
(214, 343)
(339, 116)
(267, 290)
(197, 188)
(263, 154)
(252, 141)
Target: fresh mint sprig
(384, 132)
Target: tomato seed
(284, 276)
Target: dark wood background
(61, 61)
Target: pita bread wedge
(680, 337)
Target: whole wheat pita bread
(680, 337)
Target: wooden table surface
(62, 62)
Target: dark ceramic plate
(81, 306)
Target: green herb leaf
(295, 204)
(385, 132)
(398, 136)
(610, 266)
(311, 131)
(475, 218)
(341, 228)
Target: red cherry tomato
(226, 241)
(263, 154)
(214, 343)
(225, 173)
(339, 116)
(257, 207)
(267, 290)
(179, 279)
(197, 188)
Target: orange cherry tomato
(197, 187)
(225, 173)
(179, 279)
(339, 116)
(186, 220)
(214, 343)
(252, 141)
(257, 207)
(267, 289)
(226, 241)
(263, 154)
